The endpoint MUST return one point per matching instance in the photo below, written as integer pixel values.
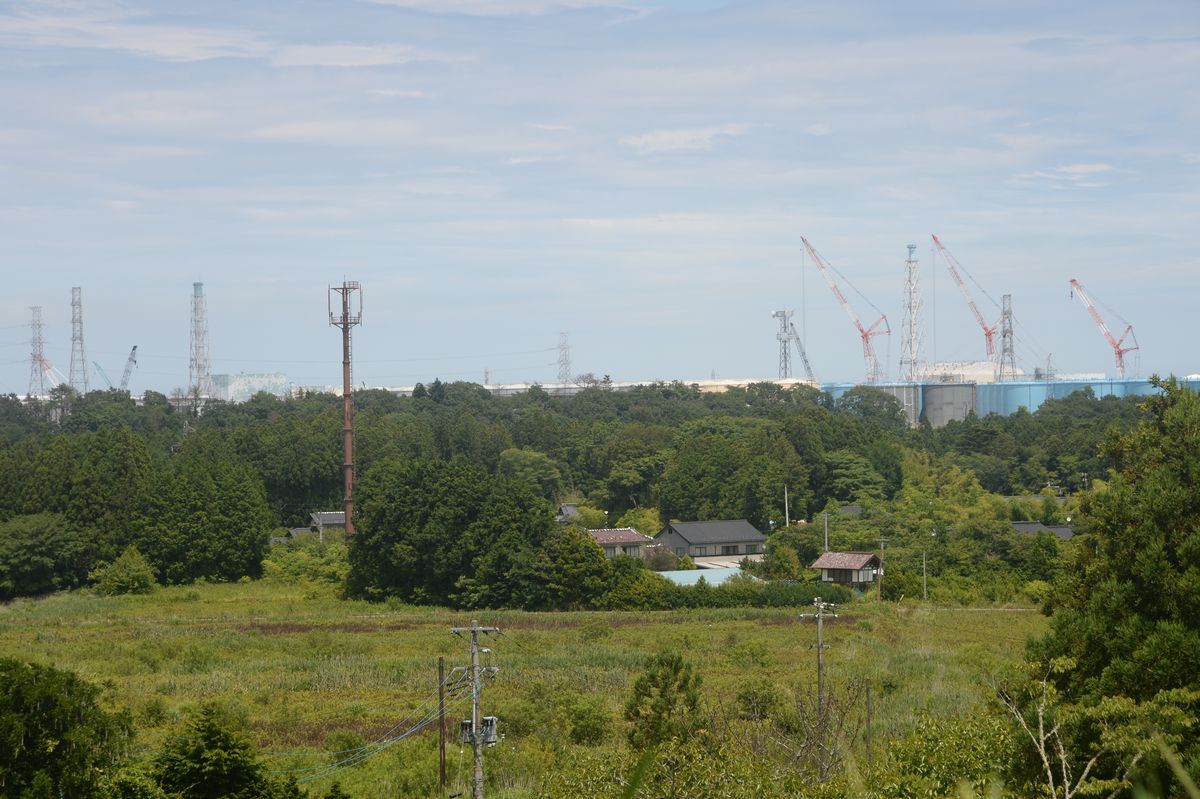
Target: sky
(636, 173)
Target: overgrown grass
(314, 673)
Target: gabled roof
(845, 560)
(725, 531)
(323, 517)
(619, 535)
(1062, 531)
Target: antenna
(346, 320)
(912, 342)
(199, 365)
(564, 360)
(79, 370)
(783, 337)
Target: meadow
(315, 674)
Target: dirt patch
(292, 627)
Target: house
(567, 512)
(327, 520)
(714, 544)
(851, 569)
(621, 541)
(1061, 531)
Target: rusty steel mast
(347, 319)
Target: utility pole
(826, 532)
(879, 582)
(823, 611)
(924, 578)
(442, 723)
(346, 320)
(787, 516)
(476, 689)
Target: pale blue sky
(636, 173)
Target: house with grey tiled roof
(730, 538)
(851, 569)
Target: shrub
(130, 573)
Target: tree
(55, 738)
(646, 521)
(569, 572)
(131, 573)
(535, 469)
(213, 759)
(43, 553)
(665, 702)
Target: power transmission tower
(350, 316)
(784, 338)
(476, 674)
(199, 364)
(912, 344)
(564, 360)
(1008, 359)
(37, 355)
(823, 612)
(79, 370)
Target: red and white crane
(1118, 344)
(867, 333)
(989, 331)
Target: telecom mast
(1008, 358)
(347, 319)
(79, 370)
(1117, 344)
(37, 357)
(784, 338)
(199, 365)
(912, 346)
(866, 333)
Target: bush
(131, 573)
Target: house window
(729, 549)
(680, 552)
(610, 551)
(701, 551)
(752, 549)
(633, 550)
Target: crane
(867, 333)
(100, 371)
(1116, 343)
(989, 332)
(129, 364)
(794, 336)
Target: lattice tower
(912, 343)
(1008, 358)
(564, 360)
(37, 355)
(79, 371)
(199, 364)
(784, 337)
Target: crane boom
(1117, 345)
(989, 332)
(866, 333)
(100, 371)
(800, 349)
(129, 364)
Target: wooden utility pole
(879, 582)
(868, 723)
(823, 611)
(442, 723)
(476, 712)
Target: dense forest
(465, 483)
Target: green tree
(131, 573)
(55, 738)
(212, 759)
(646, 521)
(665, 702)
(535, 469)
(43, 553)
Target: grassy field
(314, 674)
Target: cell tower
(1008, 358)
(37, 356)
(912, 345)
(564, 360)
(784, 336)
(199, 365)
(346, 320)
(79, 370)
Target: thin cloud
(355, 55)
(661, 141)
(508, 8)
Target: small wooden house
(620, 541)
(857, 570)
